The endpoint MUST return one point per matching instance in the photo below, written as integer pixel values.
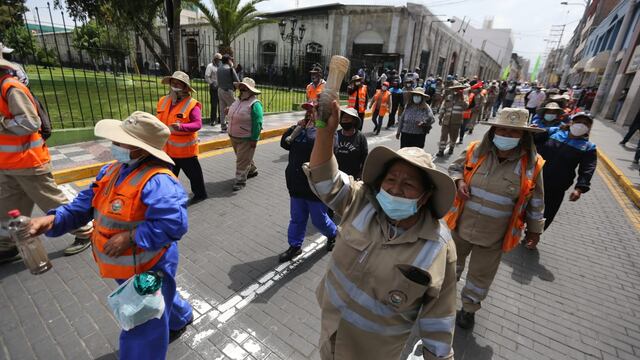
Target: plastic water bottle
(31, 249)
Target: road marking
(623, 200)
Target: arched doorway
(452, 64)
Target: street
(575, 298)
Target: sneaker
(223, 130)
(238, 186)
(440, 153)
(79, 245)
(288, 255)
(450, 150)
(465, 320)
(252, 174)
(460, 141)
(623, 143)
(331, 242)
(10, 255)
(175, 334)
(635, 161)
(197, 199)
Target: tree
(19, 38)
(11, 14)
(230, 20)
(139, 16)
(98, 40)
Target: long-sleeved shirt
(195, 120)
(535, 99)
(211, 74)
(379, 286)
(413, 116)
(564, 154)
(495, 189)
(165, 220)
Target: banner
(505, 73)
(536, 70)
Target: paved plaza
(576, 298)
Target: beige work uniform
(22, 188)
(451, 116)
(368, 298)
(484, 220)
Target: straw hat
(315, 70)
(457, 86)
(249, 83)
(180, 76)
(419, 91)
(513, 118)
(552, 106)
(351, 112)
(140, 129)
(445, 189)
(355, 78)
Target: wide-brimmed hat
(419, 91)
(315, 70)
(140, 129)
(356, 78)
(560, 97)
(249, 83)
(308, 105)
(513, 118)
(351, 112)
(445, 189)
(180, 76)
(5, 49)
(217, 56)
(552, 106)
(457, 86)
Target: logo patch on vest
(116, 205)
(397, 297)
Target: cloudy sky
(530, 20)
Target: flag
(536, 69)
(505, 72)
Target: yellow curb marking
(625, 203)
(620, 178)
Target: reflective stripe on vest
(528, 179)
(181, 144)
(20, 151)
(467, 113)
(119, 208)
(384, 103)
(362, 95)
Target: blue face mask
(505, 143)
(397, 208)
(120, 154)
(549, 117)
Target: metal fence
(114, 74)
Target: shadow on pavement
(220, 189)
(238, 272)
(526, 264)
(14, 267)
(112, 356)
(282, 159)
(465, 346)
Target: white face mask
(579, 129)
(176, 90)
(417, 99)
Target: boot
(10, 255)
(440, 153)
(291, 252)
(331, 242)
(450, 150)
(79, 245)
(465, 320)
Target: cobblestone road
(576, 298)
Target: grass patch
(78, 98)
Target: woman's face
(178, 84)
(404, 180)
(511, 133)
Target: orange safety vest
(467, 113)
(528, 181)
(118, 208)
(181, 144)
(384, 105)
(362, 99)
(20, 151)
(314, 91)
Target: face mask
(397, 208)
(417, 99)
(175, 89)
(549, 117)
(384, 88)
(120, 154)
(505, 143)
(357, 84)
(346, 126)
(579, 129)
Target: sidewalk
(98, 151)
(607, 135)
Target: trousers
(483, 266)
(464, 127)
(300, 210)
(225, 99)
(412, 140)
(395, 106)
(377, 121)
(552, 200)
(193, 170)
(448, 136)
(244, 158)
(215, 109)
(22, 192)
(151, 339)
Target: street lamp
(292, 38)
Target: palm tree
(231, 20)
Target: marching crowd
(406, 227)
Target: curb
(91, 170)
(621, 179)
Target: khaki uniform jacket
(494, 192)
(452, 109)
(25, 121)
(377, 289)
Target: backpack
(45, 121)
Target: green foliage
(21, 40)
(11, 14)
(47, 57)
(230, 20)
(98, 40)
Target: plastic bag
(137, 300)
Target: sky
(531, 21)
